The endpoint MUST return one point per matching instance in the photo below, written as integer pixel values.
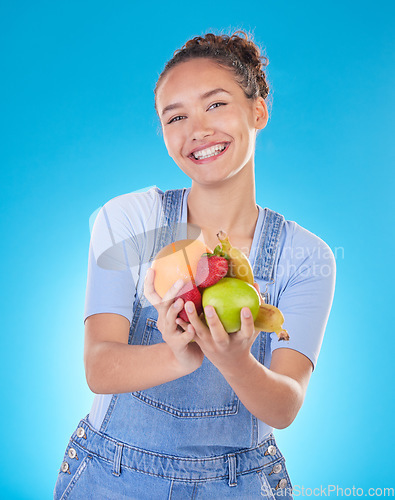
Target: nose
(200, 127)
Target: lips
(208, 151)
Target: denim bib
(198, 414)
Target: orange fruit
(175, 261)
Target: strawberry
(190, 292)
(211, 268)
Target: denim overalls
(190, 438)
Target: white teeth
(206, 153)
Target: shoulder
(130, 211)
(126, 223)
(303, 257)
(299, 246)
(137, 203)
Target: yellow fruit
(239, 264)
(271, 319)
(177, 260)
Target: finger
(174, 311)
(149, 289)
(172, 292)
(218, 332)
(199, 327)
(247, 328)
(190, 329)
(183, 324)
(185, 330)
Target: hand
(174, 330)
(228, 352)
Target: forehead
(193, 77)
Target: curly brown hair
(237, 52)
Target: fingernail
(179, 283)
(189, 307)
(246, 313)
(209, 312)
(176, 303)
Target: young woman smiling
(174, 418)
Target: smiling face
(209, 125)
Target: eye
(217, 105)
(175, 119)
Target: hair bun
(250, 55)
(237, 51)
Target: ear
(261, 113)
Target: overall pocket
(203, 393)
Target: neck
(229, 206)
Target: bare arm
(281, 388)
(112, 366)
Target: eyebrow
(203, 96)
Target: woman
(174, 418)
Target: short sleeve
(307, 295)
(120, 241)
(110, 284)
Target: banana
(271, 319)
(239, 265)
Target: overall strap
(169, 230)
(170, 223)
(267, 245)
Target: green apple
(228, 296)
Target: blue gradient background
(78, 127)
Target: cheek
(170, 142)
(235, 122)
